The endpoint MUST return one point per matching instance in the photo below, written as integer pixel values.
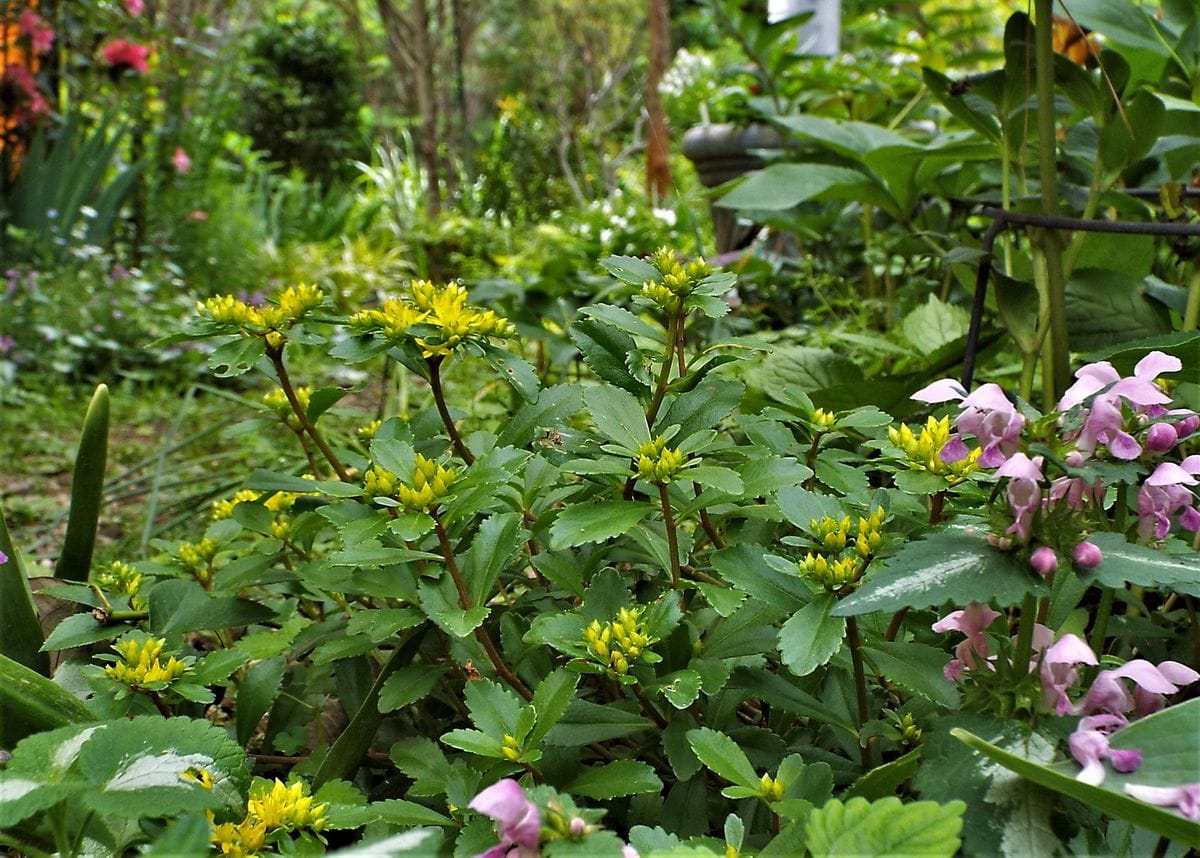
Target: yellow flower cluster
(197, 557)
(658, 463)
(510, 749)
(833, 535)
(268, 321)
(366, 433)
(620, 642)
(677, 279)
(271, 807)
(431, 483)
(770, 789)
(123, 579)
(922, 450)
(277, 401)
(140, 665)
(823, 420)
(278, 502)
(444, 308)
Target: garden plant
(522, 534)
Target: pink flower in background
(518, 821)
(1058, 671)
(1109, 694)
(180, 161)
(121, 54)
(199, 215)
(1165, 493)
(1087, 555)
(1089, 746)
(1185, 797)
(972, 622)
(41, 34)
(135, 7)
(20, 92)
(1024, 491)
(3, 558)
(1043, 560)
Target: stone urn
(721, 153)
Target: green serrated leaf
(517, 372)
(595, 522)
(408, 685)
(606, 350)
(811, 637)
(723, 757)
(256, 693)
(630, 269)
(885, 827)
(1128, 563)
(618, 415)
(551, 699)
(743, 566)
(615, 779)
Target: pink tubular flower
(972, 622)
(135, 7)
(1160, 437)
(121, 54)
(1086, 555)
(3, 558)
(1058, 671)
(1163, 494)
(1103, 420)
(19, 91)
(182, 164)
(518, 821)
(1024, 491)
(1185, 798)
(1089, 746)
(987, 414)
(1109, 694)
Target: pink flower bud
(577, 826)
(1087, 556)
(1043, 560)
(1187, 425)
(1160, 437)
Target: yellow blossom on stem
(620, 642)
(228, 310)
(658, 463)
(430, 485)
(123, 579)
(140, 665)
(282, 806)
(922, 451)
(511, 750)
(223, 509)
(770, 789)
(243, 839)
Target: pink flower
(1089, 745)
(3, 558)
(135, 7)
(1043, 560)
(1086, 555)
(182, 163)
(628, 851)
(987, 414)
(972, 622)
(198, 215)
(518, 821)
(1058, 671)
(1160, 437)
(1109, 694)
(1185, 797)
(1024, 491)
(19, 91)
(121, 55)
(41, 34)
(1163, 494)
(1104, 419)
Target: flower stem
(664, 375)
(1100, 626)
(481, 635)
(1191, 315)
(860, 684)
(672, 536)
(439, 399)
(1024, 646)
(285, 383)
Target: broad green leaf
(595, 522)
(408, 685)
(553, 406)
(1123, 357)
(20, 630)
(783, 186)
(800, 506)
(496, 542)
(744, 567)
(181, 605)
(1129, 563)
(681, 688)
(236, 357)
(268, 481)
(514, 369)
(397, 811)
(722, 756)
(255, 693)
(615, 779)
(551, 699)
(441, 603)
(1104, 307)
(630, 269)
(884, 780)
(885, 827)
(621, 318)
(804, 368)
(618, 415)
(811, 636)
(714, 477)
(29, 697)
(607, 350)
(946, 567)
(87, 489)
(586, 722)
(914, 666)
(320, 401)
(934, 324)
(1170, 747)
(494, 709)
(79, 630)
(474, 742)
(703, 407)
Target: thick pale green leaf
(236, 357)
(595, 522)
(1170, 756)
(681, 688)
(28, 698)
(615, 779)
(630, 269)
(886, 827)
(722, 756)
(87, 490)
(946, 567)
(618, 415)
(811, 636)
(515, 370)
(934, 324)
(800, 506)
(744, 567)
(80, 630)
(607, 350)
(714, 477)
(1129, 563)
(496, 542)
(553, 406)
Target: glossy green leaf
(595, 522)
(615, 779)
(255, 693)
(31, 698)
(618, 415)
(586, 722)
(87, 491)
(884, 780)
(630, 269)
(20, 629)
(553, 406)
(811, 637)
(551, 699)
(1130, 563)
(515, 370)
(945, 567)
(722, 756)
(606, 350)
(744, 567)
